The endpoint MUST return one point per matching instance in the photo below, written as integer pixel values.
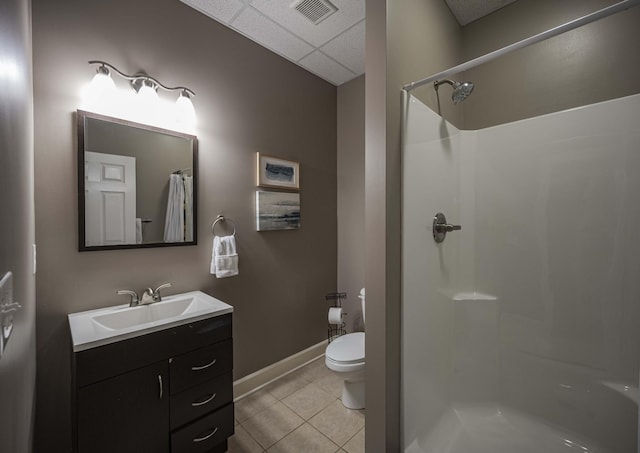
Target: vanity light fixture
(145, 85)
(102, 81)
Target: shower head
(461, 90)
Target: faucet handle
(134, 296)
(156, 294)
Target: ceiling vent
(314, 10)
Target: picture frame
(277, 173)
(277, 210)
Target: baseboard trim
(257, 380)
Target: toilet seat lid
(347, 348)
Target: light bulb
(147, 109)
(100, 91)
(102, 83)
(147, 93)
(185, 113)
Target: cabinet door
(126, 413)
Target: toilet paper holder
(336, 330)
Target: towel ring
(222, 218)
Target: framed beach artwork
(277, 210)
(278, 173)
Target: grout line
(262, 386)
(254, 439)
(349, 440)
(325, 436)
(305, 421)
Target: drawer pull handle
(202, 439)
(160, 385)
(203, 367)
(205, 401)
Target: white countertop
(107, 325)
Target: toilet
(345, 356)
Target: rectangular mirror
(136, 185)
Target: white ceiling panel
(347, 48)
(334, 48)
(221, 10)
(349, 12)
(264, 31)
(325, 67)
(466, 11)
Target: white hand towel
(224, 258)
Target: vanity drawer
(201, 399)
(204, 434)
(201, 365)
(102, 362)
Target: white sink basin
(107, 325)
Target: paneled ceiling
(326, 37)
(333, 49)
(466, 11)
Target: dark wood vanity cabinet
(128, 408)
(167, 391)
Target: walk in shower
(521, 329)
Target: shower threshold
(492, 428)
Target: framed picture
(278, 173)
(277, 211)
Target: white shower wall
(431, 165)
(551, 230)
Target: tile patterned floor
(299, 413)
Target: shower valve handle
(448, 228)
(441, 227)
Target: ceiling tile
(349, 12)
(349, 48)
(262, 30)
(326, 68)
(221, 10)
(466, 11)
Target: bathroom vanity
(160, 385)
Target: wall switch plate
(7, 309)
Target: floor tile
(356, 443)
(253, 404)
(308, 401)
(338, 423)
(305, 439)
(286, 385)
(272, 424)
(331, 383)
(242, 442)
(315, 370)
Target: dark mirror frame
(81, 116)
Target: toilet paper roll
(335, 315)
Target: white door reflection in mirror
(110, 199)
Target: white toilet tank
(361, 296)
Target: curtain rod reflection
(184, 170)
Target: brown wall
(406, 41)
(591, 64)
(351, 243)
(17, 364)
(247, 99)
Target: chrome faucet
(134, 296)
(150, 296)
